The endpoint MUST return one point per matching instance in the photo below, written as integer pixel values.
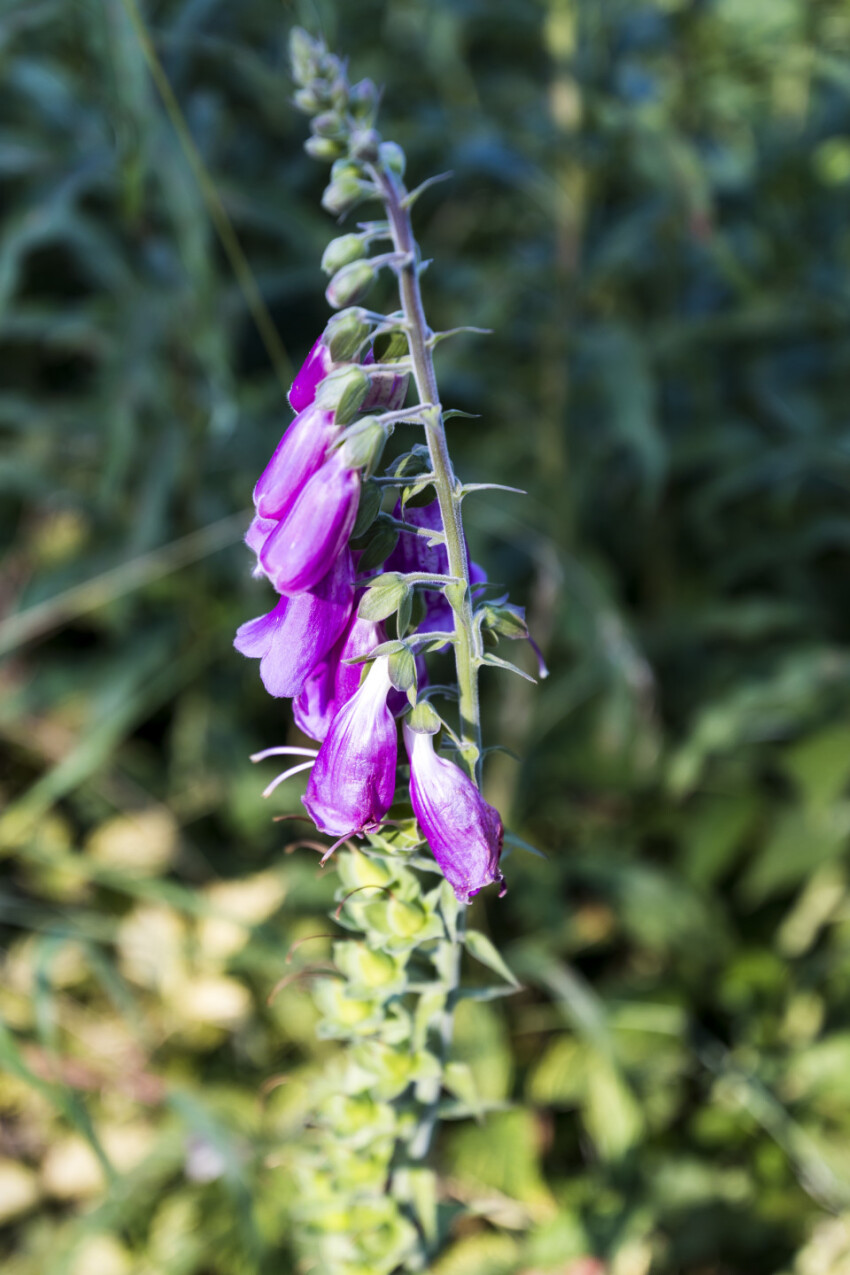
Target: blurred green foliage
(649, 207)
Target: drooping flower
(300, 550)
(464, 832)
(293, 638)
(257, 535)
(352, 784)
(313, 370)
(333, 682)
(302, 450)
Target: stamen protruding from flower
(287, 774)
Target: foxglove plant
(373, 575)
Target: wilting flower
(352, 784)
(313, 370)
(315, 530)
(333, 682)
(293, 638)
(464, 832)
(301, 451)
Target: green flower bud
(365, 145)
(356, 870)
(341, 252)
(393, 158)
(369, 969)
(346, 168)
(364, 444)
(342, 391)
(350, 284)
(329, 124)
(322, 148)
(508, 621)
(363, 99)
(308, 101)
(345, 333)
(303, 54)
(406, 919)
(343, 194)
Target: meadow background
(650, 207)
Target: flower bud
(363, 446)
(342, 391)
(329, 124)
(393, 158)
(508, 621)
(308, 101)
(343, 194)
(303, 54)
(341, 252)
(365, 145)
(318, 363)
(406, 919)
(345, 333)
(350, 284)
(363, 99)
(323, 148)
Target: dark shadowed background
(649, 205)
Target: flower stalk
(374, 576)
(420, 339)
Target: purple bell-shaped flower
(313, 370)
(352, 783)
(315, 531)
(293, 638)
(333, 682)
(464, 832)
(302, 450)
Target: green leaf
(482, 949)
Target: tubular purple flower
(352, 784)
(315, 530)
(298, 455)
(313, 370)
(464, 832)
(333, 682)
(293, 638)
(256, 536)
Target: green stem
(465, 647)
(445, 483)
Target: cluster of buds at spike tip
(372, 571)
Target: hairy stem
(448, 494)
(447, 486)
